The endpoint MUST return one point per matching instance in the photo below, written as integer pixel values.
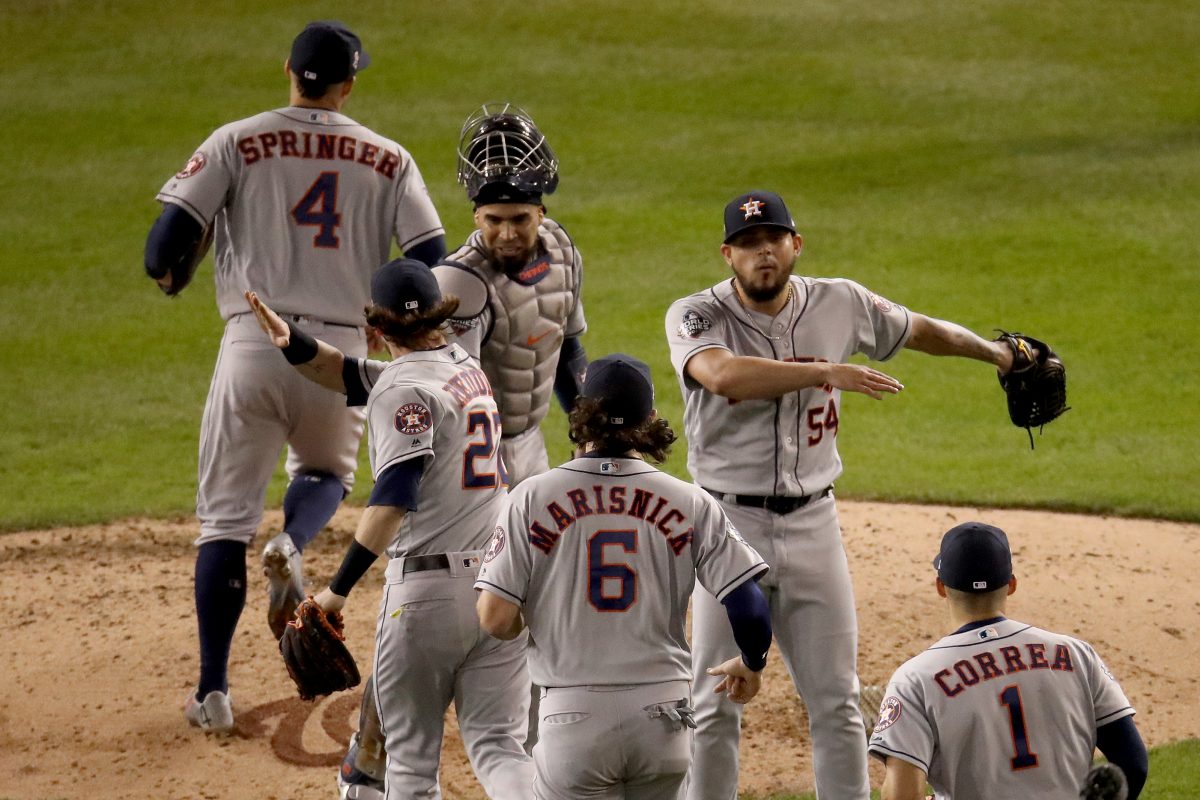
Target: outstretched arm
(752, 378)
(319, 362)
(937, 337)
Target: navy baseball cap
(327, 52)
(754, 209)
(624, 388)
(975, 558)
(405, 286)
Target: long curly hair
(408, 330)
(589, 425)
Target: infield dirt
(100, 632)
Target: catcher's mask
(500, 144)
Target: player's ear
(798, 243)
(941, 587)
(727, 254)
(287, 68)
(1012, 585)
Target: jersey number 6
(603, 575)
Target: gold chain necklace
(791, 315)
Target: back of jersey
(602, 553)
(305, 202)
(437, 405)
(1000, 710)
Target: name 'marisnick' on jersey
(617, 500)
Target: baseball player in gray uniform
(761, 359)
(598, 558)
(999, 708)
(305, 203)
(439, 484)
(518, 279)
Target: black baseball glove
(1104, 782)
(314, 651)
(1036, 385)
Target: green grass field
(1001, 164)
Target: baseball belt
(776, 504)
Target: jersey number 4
(1023, 758)
(318, 208)
(611, 586)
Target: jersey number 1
(1023, 758)
(318, 207)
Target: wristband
(357, 561)
(301, 348)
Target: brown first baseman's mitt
(1036, 385)
(314, 651)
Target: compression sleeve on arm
(357, 561)
(172, 240)
(1122, 745)
(568, 376)
(430, 251)
(750, 617)
(398, 484)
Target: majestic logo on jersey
(194, 165)
(413, 419)
(882, 303)
(752, 208)
(534, 271)
(693, 324)
(889, 712)
(495, 544)
(733, 532)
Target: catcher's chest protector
(529, 316)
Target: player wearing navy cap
(434, 449)
(598, 558)
(999, 708)
(761, 359)
(305, 204)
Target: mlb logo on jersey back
(609, 466)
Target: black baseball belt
(777, 504)
(423, 563)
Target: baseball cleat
(283, 567)
(353, 783)
(214, 714)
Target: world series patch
(413, 419)
(693, 324)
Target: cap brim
(745, 228)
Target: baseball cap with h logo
(755, 209)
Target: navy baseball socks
(220, 586)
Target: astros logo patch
(413, 419)
(889, 712)
(194, 165)
(495, 545)
(693, 325)
(881, 303)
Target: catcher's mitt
(1036, 385)
(315, 653)
(1104, 782)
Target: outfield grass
(1025, 166)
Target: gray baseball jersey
(782, 447)
(438, 405)
(602, 554)
(516, 323)
(1000, 709)
(430, 650)
(826, 319)
(312, 188)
